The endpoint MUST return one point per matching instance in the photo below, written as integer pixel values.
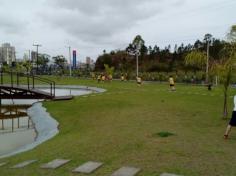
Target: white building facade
(7, 54)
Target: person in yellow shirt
(172, 83)
(103, 78)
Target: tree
(138, 42)
(232, 34)
(225, 68)
(20, 68)
(196, 59)
(28, 66)
(43, 60)
(109, 70)
(60, 61)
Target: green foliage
(60, 61)
(28, 66)
(109, 70)
(226, 68)
(196, 58)
(6, 68)
(232, 34)
(20, 68)
(164, 134)
(138, 42)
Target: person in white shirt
(232, 121)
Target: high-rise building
(7, 53)
(88, 60)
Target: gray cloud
(91, 26)
(11, 25)
(99, 20)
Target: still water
(16, 127)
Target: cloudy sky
(95, 25)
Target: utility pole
(69, 48)
(137, 54)
(207, 64)
(37, 50)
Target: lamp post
(135, 51)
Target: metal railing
(28, 81)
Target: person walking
(232, 121)
(172, 83)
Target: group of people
(103, 78)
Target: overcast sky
(95, 25)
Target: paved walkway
(85, 168)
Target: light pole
(207, 64)
(69, 48)
(37, 50)
(135, 51)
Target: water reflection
(16, 128)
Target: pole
(137, 64)
(207, 64)
(70, 60)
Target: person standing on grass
(232, 121)
(172, 83)
(99, 78)
(122, 77)
(139, 80)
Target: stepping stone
(2, 164)
(55, 164)
(126, 171)
(88, 167)
(167, 174)
(23, 164)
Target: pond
(18, 129)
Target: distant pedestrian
(99, 78)
(172, 83)
(209, 86)
(122, 77)
(103, 78)
(139, 80)
(232, 121)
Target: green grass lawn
(120, 127)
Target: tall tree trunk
(225, 110)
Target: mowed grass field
(119, 127)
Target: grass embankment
(120, 128)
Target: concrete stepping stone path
(23, 164)
(88, 167)
(55, 164)
(168, 174)
(3, 164)
(126, 171)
